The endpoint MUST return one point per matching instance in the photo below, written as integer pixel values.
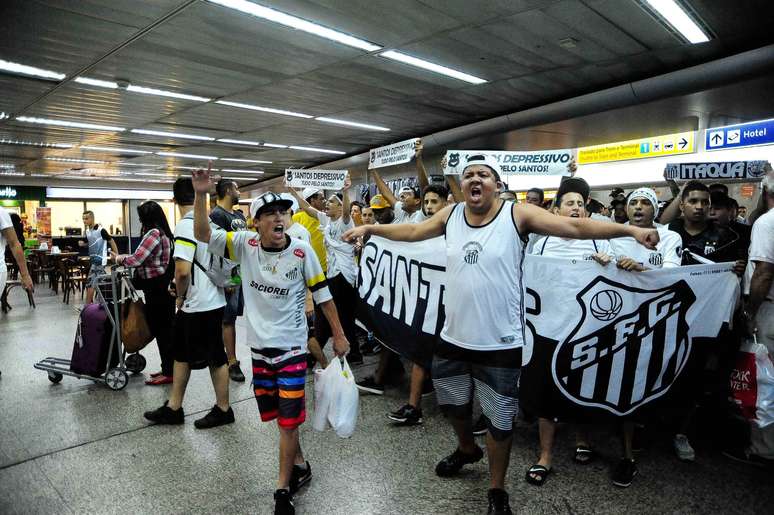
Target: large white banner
(538, 162)
(395, 154)
(596, 338)
(323, 179)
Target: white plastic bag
(343, 410)
(752, 383)
(323, 393)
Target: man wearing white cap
(479, 352)
(276, 273)
(641, 209)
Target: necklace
(272, 266)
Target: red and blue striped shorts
(279, 377)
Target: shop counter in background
(122, 242)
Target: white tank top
(483, 298)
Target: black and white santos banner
(716, 170)
(597, 339)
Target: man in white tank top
(480, 348)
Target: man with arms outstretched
(480, 347)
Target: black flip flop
(541, 472)
(583, 455)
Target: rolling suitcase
(92, 342)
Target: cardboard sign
(322, 179)
(538, 162)
(715, 170)
(395, 154)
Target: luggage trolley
(111, 291)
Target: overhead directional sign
(657, 146)
(741, 135)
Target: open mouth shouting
(475, 193)
(278, 231)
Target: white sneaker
(683, 448)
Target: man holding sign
(480, 348)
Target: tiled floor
(77, 447)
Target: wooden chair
(9, 285)
(73, 278)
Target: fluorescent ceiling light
(237, 178)
(40, 175)
(22, 69)
(34, 143)
(15, 174)
(239, 160)
(10, 167)
(274, 145)
(427, 65)
(189, 156)
(679, 20)
(4, 115)
(192, 168)
(296, 23)
(172, 134)
(234, 170)
(313, 149)
(154, 174)
(118, 150)
(264, 109)
(351, 124)
(65, 123)
(240, 142)
(74, 160)
(96, 82)
(162, 93)
(147, 165)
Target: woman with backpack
(154, 271)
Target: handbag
(135, 332)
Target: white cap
(486, 160)
(309, 192)
(267, 199)
(288, 196)
(646, 193)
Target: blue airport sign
(740, 135)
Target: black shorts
(199, 339)
(235, 305)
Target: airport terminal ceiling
(261, 96)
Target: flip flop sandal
(541, 472)
(583, 455)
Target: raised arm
(533, 219)
(424, 182)
(305, 206)
(345, 203)
(672, 211)
(454, 188)
(430, 228)
(202, 185)
(385, 190)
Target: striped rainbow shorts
(279, 377)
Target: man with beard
(480, 348)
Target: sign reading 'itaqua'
(658, 146)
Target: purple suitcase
(92, 341)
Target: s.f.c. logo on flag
(288, 176)
(630, 358)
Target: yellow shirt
(318, 242)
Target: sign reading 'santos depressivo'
(323, 179)
(395, 154)
(657, 146)
(538, 162)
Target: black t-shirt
(718, 244)
(228, 220)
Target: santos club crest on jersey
(628, 347)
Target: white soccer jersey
(668, 253)
(483, 295)
(274, 284)
(553, 246)
(202, 294)
(341, 255)
(403, 217)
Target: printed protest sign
(538, 162)
(322, 179)
(395, 154)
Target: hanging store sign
(538, 162)
(658, 146)
(395, 154)
(715, 171)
